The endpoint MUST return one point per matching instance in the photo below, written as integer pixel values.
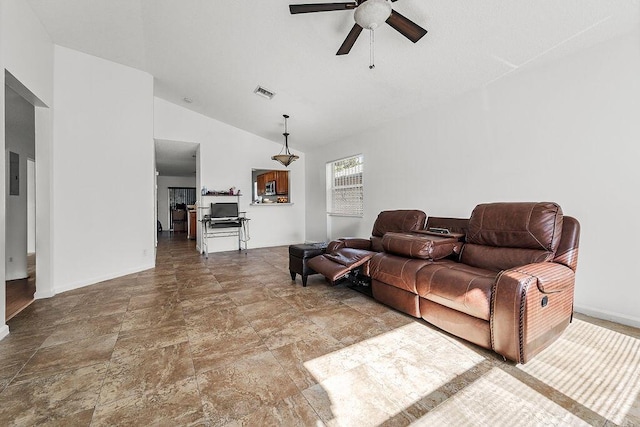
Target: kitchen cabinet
(191, 226)
(282, 182)
(262, 184)
(270, 176)
(280, 178)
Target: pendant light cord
(286, 136)
(371, 49)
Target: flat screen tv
(224, 210)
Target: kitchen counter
(270, 204)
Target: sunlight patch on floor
(597, 367)
(497, 398)
(374, 380)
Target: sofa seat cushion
(396, 271)
(458, 286)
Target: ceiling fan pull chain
(371, 48)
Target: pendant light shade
(285, 157)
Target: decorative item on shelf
(230, 192)
(285, 158)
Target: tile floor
(232, 341)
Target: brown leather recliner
(347, 254)
(511, 288)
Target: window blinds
(346, 187)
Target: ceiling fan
(368, 14)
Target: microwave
(270, 189)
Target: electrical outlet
(144, 252)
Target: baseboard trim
(42, 295)
(4, 331)
(608, 315)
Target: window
(345, 186)
(180, 197)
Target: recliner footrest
(337, 265)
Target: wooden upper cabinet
(262, 184)
(281, 179)
(282, 182)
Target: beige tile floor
(232, 341)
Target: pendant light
(285, 158)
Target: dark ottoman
(298, 256)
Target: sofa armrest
(348, 242)
(334, 245)
(357, 243)
(530, 307)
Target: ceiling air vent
(265, 93)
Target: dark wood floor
(20, 292)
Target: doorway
(20, 251)
(176, 183)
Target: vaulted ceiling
(216, 52)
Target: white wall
(19, 139)
(104, 168)
(226, 157)
(4, 329)
(567, 131)
(164, 182)
(27, 52)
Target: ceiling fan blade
(320, 7)
(347, 44)
(406, 27)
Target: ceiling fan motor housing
(372, 13)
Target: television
(224, 210)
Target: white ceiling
(217, 52)
(176, 158)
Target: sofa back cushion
(398, 221)
(376, 244)
(507, 235)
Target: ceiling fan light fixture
(285, 157)
(372, 13)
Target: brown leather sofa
(508, 286)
